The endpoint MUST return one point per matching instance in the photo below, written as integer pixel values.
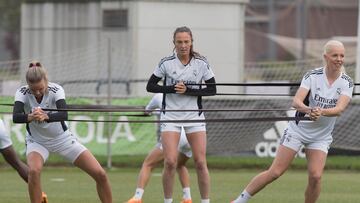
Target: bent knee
(100, 174)
(274, 174)
(150, 165)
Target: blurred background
(103, 52)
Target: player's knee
(315, 178)
(100, 175)
(274, 174)
(170, 164)
(150, 165)
(34, 172)
(200, 165)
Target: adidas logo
(272, 136)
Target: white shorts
(5, 140)
(293, 141)
(183, 149)
(68, 147)
(177, 128)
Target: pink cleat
(44, 198)
(133, 200)
(186, 201)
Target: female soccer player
(180, 70)
(47, 132)
(156, 156)
(323, 95)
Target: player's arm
(341, 105)
(209, 90)
(152, 86)
(298, 101)
(18, 114)
(60, 115)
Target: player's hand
(315, 113)
(180, 88)
(39, 115)
(147, 113)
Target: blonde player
(156, 156)
(323, 95)
(47, 132)
(179, 71)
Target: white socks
(139, 193)
(205, 201)
(243, 197)
(186, 193)
(168, 200)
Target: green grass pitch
(69, 184)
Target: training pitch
(72, 185)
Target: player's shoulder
(314, 72)
(23, 90)
(347, 79)
(54, 87)
(201, 59)
(167, 59)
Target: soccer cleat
(133, 200)
(186, 201)
(44, 198)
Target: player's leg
(316, 163)
(10, 155)
(36, 156)
(87, 162)
(35, 162)
(13, 159)
(184, 177)
(170, 140)
(284, 157)
(76, 153)
(154, 158)
(197, 141)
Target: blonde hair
(327, 48)
(36, 73)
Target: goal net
(84, 74)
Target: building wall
(71, 40)
(325, 19)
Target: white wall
(70, 40)
(217, 30)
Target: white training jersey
(42, 131)
(184, 146)
(173, 71)
(5, 140)
(322, 95)
(155, 103)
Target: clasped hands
(38, 114)
(180, 87)
(315, 113)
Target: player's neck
(39, 99)
(184, 59)
(332, 75)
